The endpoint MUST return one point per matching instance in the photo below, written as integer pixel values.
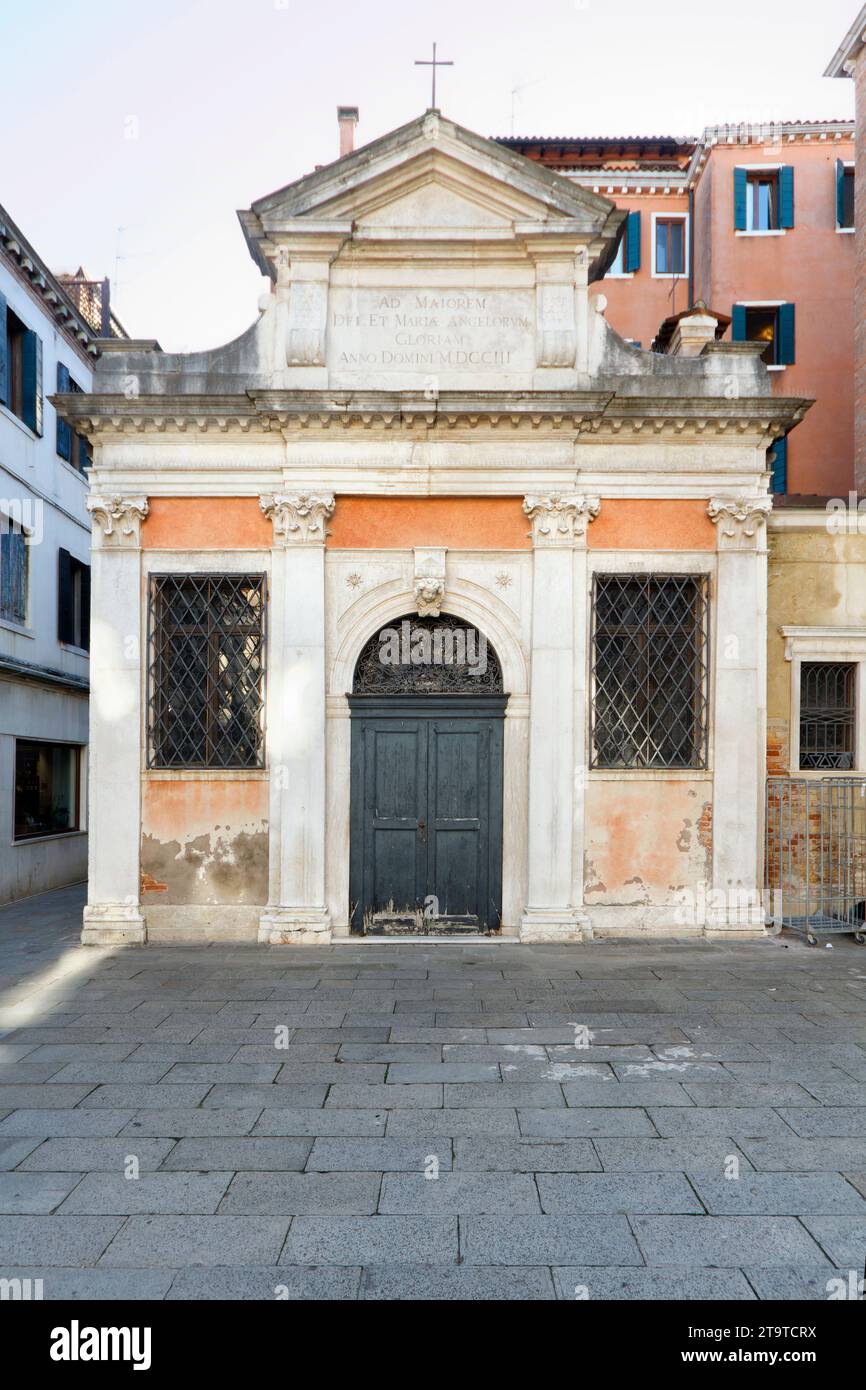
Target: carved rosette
(741, 520)
(560, 520)
(298, 518)
(118, 519)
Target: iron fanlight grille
(428, 656)
(827, 712)
(650, 666)
(206, 655)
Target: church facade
(429, 604)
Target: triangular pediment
(433, 180)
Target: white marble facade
(428, 333)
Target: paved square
(415, 1121)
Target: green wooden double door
(426, 813)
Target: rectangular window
(206, 664)
(762, 201)
(670, 249)
(23, 372)
(762, 326)
(650, 665)
(70, 446)
(845, 197)
(47, 789)
(13, 571)
(828, 692)
(73, 601)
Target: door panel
(395, 791)
(426, 820)
(458, 825)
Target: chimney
(347, 119)
(693, 331)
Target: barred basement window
(827, 715)
(206, 650)
(650, 670)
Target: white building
(46, 345)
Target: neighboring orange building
(756, 221)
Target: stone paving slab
(611, 1193)
(95, 1155)
(459, 1193)
(195, 1240)
(306, 1283)
(303, 1194)
(448, 1283)
(237, 1155)
(349, 1240)
(34, 1194)
(410, 1155)
(656, 1285)
(548, 1240)
(778, 1194)
(111, 1194)
(92, 1285)
(725, 1241)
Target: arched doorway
(427, 709)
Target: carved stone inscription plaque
(430, 332)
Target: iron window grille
(827, 715)
(206, 669)
(650, 670)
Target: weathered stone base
(113, 924)
(295, 927)
(539, 925)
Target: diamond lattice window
(827, 715)
(206, 652)
(650, 667)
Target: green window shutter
(840, 193)
(85, 607)
(65, 598)
(64, 433)
(4, 370)
(786, 195)
(740, 191)
(779, 465)
(786, 354)
(738, 323)
(632, 243)
(31, 372)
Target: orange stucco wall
(637, 306)
(461, 523)
(204, 841)
(206, 523)
(652, 524)
(646, 841)
(811, 266)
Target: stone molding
(298, 518)
(558, 519)
(118, 519)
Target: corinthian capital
(560, 520)
(740, 519)
(118, 519)
(299, 518)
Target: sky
(132, 132)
